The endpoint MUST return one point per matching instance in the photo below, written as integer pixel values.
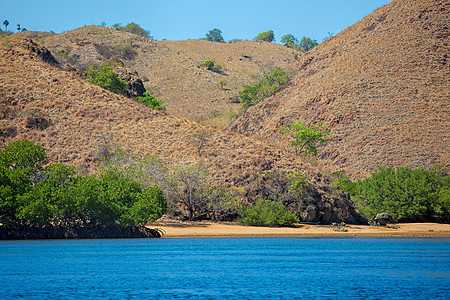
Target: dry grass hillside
(71, 117)
(383, 85)
(173, 70)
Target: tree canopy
(409, 195)
(306, 138)
(267, 36)
(215, 35)
(35, 193)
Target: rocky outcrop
(43, 53)
(85, 232)
(135, 85)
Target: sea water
(227, 268)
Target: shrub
(267, 36)
(107, 79)
(63, 53)
(265, 87)
(266, 212)
(215, 35)
(209, 64)
(133, 28)
(151, 101)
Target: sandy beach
(211, 229)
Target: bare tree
(187, 188)
(200, 139)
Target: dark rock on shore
(85, 232)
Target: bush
(267, 36)
(409, 195)
(214, 35)
(107, 79)
(209, 64)
(151, 101)
(133, 28)
(266, 212)
(265, 87)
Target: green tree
(107, 79)
(215, 35)
(148, 207)
(266, 212)
(23, 154)
(267, 36)
(289, 40)
(6, 23)
(307, 43)
(306, 138)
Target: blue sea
(227, 268)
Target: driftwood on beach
(85, 232)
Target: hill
(383, 85)
(72, 118)
(173, 70)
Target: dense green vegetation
(306, 138)
(32, 192)
(409, 195)
(266, 212)
(214, 35)
(133, 28)
(209, 64)
(305, 43)
(265, 87)
(151, 101)
(267, 36)
(105, 77)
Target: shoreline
(228, 229)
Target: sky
(184, 19)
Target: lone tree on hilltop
(267, 36)
(6, 23)
(215, 35)
(306, 138)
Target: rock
(310, 214)
(383, 218)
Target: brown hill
(174, 70)
(70, 118)
(383, 85)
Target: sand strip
(210, 229)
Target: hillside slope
(383, 85)
(174, 70)
(71, 117)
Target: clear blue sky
(184, 19)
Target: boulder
(383, 218)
